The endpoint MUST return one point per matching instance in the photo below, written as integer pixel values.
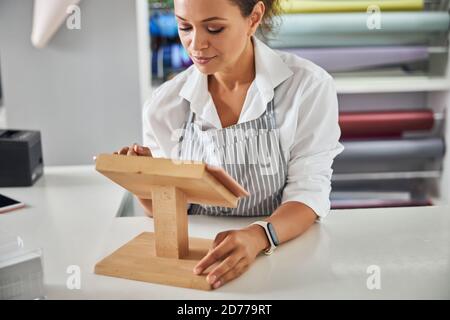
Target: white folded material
(48, 16)
(21, 271)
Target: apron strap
(191, 118)
(271, 114)
(183, 132)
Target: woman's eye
(212, 30)
(184, 28)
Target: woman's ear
(256, 17)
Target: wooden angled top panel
(227, 181)
(200, 183)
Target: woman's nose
(199, 42)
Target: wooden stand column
(171, 223)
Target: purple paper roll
(356, 58)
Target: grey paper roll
(388, 150)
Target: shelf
(391, 84)
(434, 174)
(388, 84)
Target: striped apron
(250, 152)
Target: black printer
(21, 161)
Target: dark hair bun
(272, 10)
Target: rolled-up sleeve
(149, 139)
(314, 147)
(163, 116)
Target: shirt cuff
(317, 203)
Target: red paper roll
(386, 123)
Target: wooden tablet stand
(168, 255)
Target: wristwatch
(271, 235)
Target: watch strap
(264, 225)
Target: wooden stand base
(167, 256)
(137, 260)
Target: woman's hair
(272, 10)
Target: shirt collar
(271, 71)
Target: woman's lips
(202, 60)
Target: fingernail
(217, 284)
(197, 270)
(212, 279)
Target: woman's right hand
(135, 150)
(140, 151)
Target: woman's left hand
(234, 251)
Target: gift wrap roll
(350, 39)
(410, 22)
(308, 6)
(395, 149)
(382, 101)
(356, 58)
(354, 124)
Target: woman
(269, 118)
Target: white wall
(82, 91)
(2, 118)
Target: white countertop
(71, 216)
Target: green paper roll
(411, 22)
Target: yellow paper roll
(309, 6)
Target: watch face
(273, 234)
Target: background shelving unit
(437, 97)
(429, 88)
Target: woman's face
(213, 32)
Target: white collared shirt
(306, 111)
